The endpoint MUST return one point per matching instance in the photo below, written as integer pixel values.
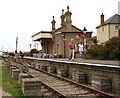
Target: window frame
(116, 28)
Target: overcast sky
(23, 18)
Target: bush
(95, 51)
(60, 56)
(26, 53)
(109, 51)
(33, 51)
(111, 48)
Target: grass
(0, 74)
(9, 84)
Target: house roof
(77, 28)
(41, 32)
(64, 29)
(115, 19)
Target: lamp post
(84, 35)
(30, 46)
(2, 48)
(16, 42)
(63, 35)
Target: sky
(24, 18)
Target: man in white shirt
(81, 49)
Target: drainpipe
(109, 31)
(64, 47)
(118, 30)
(64, 51)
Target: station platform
(106, 62)
(85, 61)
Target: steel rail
(48, 87)
(45, 85)
(92, 90)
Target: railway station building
(56, 41)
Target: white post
(16, 42)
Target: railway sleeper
(62, 94)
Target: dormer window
(116, 28)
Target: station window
(102, 28)
(116, 28)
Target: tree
(33, 51)
(110, 50)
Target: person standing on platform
(71, 50)
(81, 49)
(21, 55)
(16, 56)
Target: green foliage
(0, 73)
(95, 50)
(26, 53)
(33, 51)
(9, 84)
(94, 39)
(110, 50)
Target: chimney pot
(62, 11)
(68, 8)
(102, 19)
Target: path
(3, 93)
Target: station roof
(71, 29)
(115, 19)
(41, 34)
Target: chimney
(62, 18)
(67, 8)
(62, 11)
(53, 24)
(102, 19)
(68, 16)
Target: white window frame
(102, 28)
(116, 28)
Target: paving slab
(106, 62)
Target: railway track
(65, 88)
(62, 86)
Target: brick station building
(56, 41)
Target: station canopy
(41, 35)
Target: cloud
(23, 18)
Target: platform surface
(107, 63)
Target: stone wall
(105, 78)
(34, 87)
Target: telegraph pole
(2, 48)
(16, 42)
